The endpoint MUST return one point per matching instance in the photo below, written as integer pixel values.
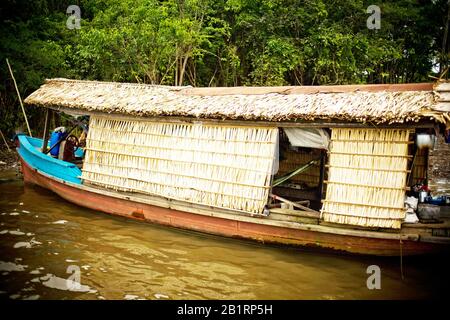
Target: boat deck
(286, 228)
(291, 217)
(281, 225)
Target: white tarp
(308, 137)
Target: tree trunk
(183, 69)
(444, 58)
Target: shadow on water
(42, 237)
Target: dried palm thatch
(265, 104)
(219, 166)
(367, 177)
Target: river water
(52, 249)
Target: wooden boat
(134, 179)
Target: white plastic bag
(411, 218)
(411, 202)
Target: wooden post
(20, 99)
(294, 173)
(322, 174)
(6, 143)
(409, 179)
(295, 204)
(45, 135)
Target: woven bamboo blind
(229, 167)
(367, 177)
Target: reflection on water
(44, 240)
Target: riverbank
(8, 159)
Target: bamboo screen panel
(229, 167)
(367, 177)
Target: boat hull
(226, 227)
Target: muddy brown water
(48, 244)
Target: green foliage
(217, 43)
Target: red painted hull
(227, 227)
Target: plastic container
(423, 196)
(439, 201)
(54, 138)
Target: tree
(218, 43)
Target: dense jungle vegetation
(217, 43)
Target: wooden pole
(5, 140)
(294, 173)
(322, 173)
(444, 59)
(409, 179)
(401, 259)
(20, 99)
(295, 204)
(45, 135)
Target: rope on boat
(401, 259)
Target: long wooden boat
(126, 192)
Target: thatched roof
(371, 103)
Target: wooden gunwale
(230, 214)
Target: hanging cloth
(308, 137)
